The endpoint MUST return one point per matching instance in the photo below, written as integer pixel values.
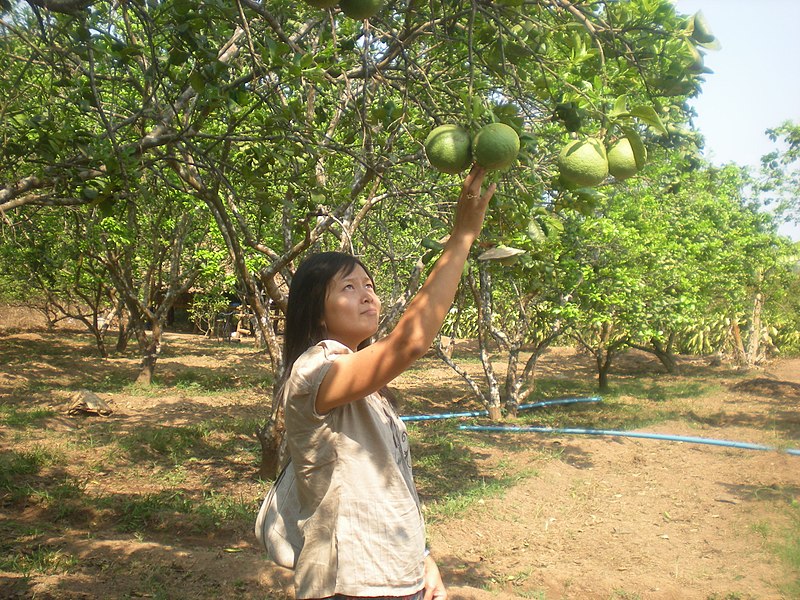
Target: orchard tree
(780, 172)
(52, 255)
(514, 300)
(292, 125)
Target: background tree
(780, 172)
(295, 128)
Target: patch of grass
(645, 388)
(14, 537)
(204, 381)
(175, 443)
(54, 495)
(116, 381)
(624, 595)
(167, 509)
(138, 514)
(534, 594)
(217, 509)
(157, 589)
(789, 550)
(442, 461)
(39, 559)
(762, 528)
(16, 464)
(609, 414)
(21, 419)
(453, 505)
(234, 425)
(174, 476)
(446, 471)
(559, 387)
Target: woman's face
(352, 309)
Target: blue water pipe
(633, 434)
(559, 401)
(483, 413)
(474, 413)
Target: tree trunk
(123, 335)
(100, 342)
(662, 352)
(754, 342)
(270, 450)
(739, 354)
(150, 350)
(603, 367)
(603, 352)
(513, 381)
(483, 298)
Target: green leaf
(535, 232)
(89, 193)
(620, 106)
(639, 150)
(197, 81)
(649, 115)
(431, 244)
(306, 60)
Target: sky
(756, 81)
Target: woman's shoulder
(325, 350)
(316, 357)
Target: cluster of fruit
(355, 9)
(451, 149)
(586, 163)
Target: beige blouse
(362, 525)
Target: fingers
(487, 195)
(474, 179)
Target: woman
(362, 526)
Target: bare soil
(587, 517)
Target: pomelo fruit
(621, 159)
(322, 3)
(583, 162)
(448, 148)
(495, 146)
(360, 9)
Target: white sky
(756, 81)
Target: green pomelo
(495, 146)
(360, 9)
(448, 148)
(621, 159)
(583, 162)
(322, 3)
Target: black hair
(306, 304)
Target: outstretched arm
(354, 376)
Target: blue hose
(475, 413)
(634, 434)
(483, 413)
(561, 401)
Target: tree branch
(66, 7)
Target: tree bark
(483, 298)
(739, 355)
(663, 352)
(754, 341)
(151, 348)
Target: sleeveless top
(361, 520)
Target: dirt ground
(595, 517)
